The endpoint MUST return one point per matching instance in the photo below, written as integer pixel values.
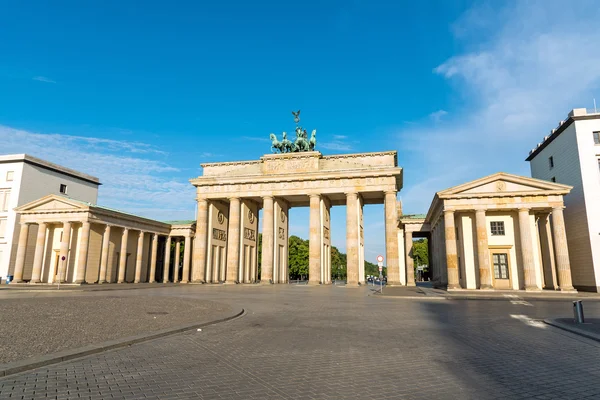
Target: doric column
(391, 239)
(83, 252)
(483, 251)
(451, 251)
(527, 249)
(38, 258)
(152, 278)
(314, 241)
(410, 264)
(104, 255)
(186, 259)
(199, 256)
(561, 250)
(268, 241)
(123, 256)
(21, 251)
(177, 258)
(167, 260)
(139, 258)
(64, 252)
(233, 241)
(352, 239)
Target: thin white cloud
(437, 115)
(43, 79)
(340, 137)
(335, 145)
(524, 76)
(132, 181)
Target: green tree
(298, 257)
(420, 252)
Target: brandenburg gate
(230, 194)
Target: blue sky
(140, 93)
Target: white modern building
(23, 179)
(570, 155)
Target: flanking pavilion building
(502, 231)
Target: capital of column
(313, 195)
(234, 198)
(448, 212)
(524, 209)
(268, 197)
(394, 192)
(558, 208)
(142, 233)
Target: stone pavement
(33, 324)
(302, 342)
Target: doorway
(501, 268)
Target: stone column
(483, 251)
(152, 277)
(177, 258)
(314, 241)
(547, 248)
(561, 250)
(527, 249)
(186, 259)
(410, 263)
(268, 241)
(104, 256)
(167, 260)
(21, 251)
(123, 256)
(84, 243)
(352, 239)
(451, 251)
(391, 239)
(199, 256)
(233, 241)
(64, 252)
(38, 259)
(139, 256)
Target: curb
(83, 288)
(572, 329)
(65, 355)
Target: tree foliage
(420, 252)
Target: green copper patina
(301, 143)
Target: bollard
(578, 312)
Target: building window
(2, 228)
(596, 137)
(4, 200)
(63, 188)
(497, 228)
(553, 179)
(551, 162)
(9, 175)
(500, 265)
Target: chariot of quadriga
(300, 143)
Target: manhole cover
(157, 312)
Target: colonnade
(542, 259)
(274, 267)
(70, 255)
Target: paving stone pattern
(337, 343)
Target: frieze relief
(219, 234)
(326, 232)
(250, 234)
(281, 233)
(377, 183)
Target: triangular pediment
(502, 183)
(53, 202)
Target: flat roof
(26, 158)
(576, 114)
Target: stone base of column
(353, 285)
(533, 289)
(119, 282)
(269, 282)
(198, 281)
(568, 290)
(453, 286)
(313, 283)
(80, 282)
(184, 281)
(228, 282)
(394, 284)
(486, 287)
(36, 281)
